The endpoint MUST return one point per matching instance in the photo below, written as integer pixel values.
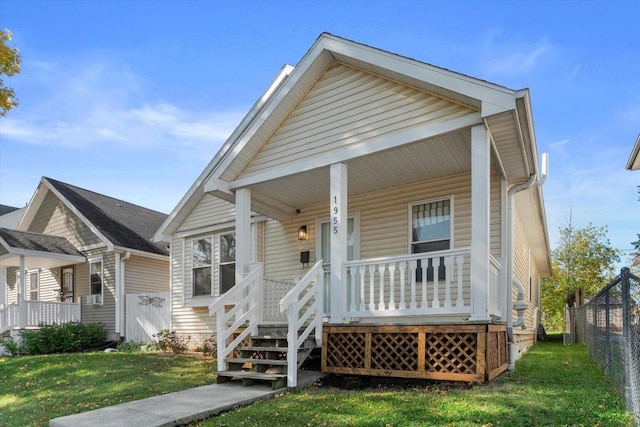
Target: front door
(67, 285)
(324, 249)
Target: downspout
(120, 292)
(520, 305)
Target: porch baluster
(353, 277)
(460, 262)
(436, 274)
(392, 273)
(372, 270)
(381, 302)
(362, 271)
(412, 272)
(403, 266)
(448, 262)
(425, 303)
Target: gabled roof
(40, 250)
(633, 164)
(118, 223)
(504, 110)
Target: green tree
(583, 259)
(9, 65)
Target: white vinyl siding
(104, 313)
(347, 107)
(55, 219)
(146, 274)
(210, 210)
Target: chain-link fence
(609, 326)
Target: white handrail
(298, 299)
(28, 314)
(247, 297)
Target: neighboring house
(75, 255)
(412, 189)
(10, 216)
(633, 164)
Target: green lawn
(34, 389)
(552, 385)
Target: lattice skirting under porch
(475, 353)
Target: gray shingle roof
(123, 223)
(38, 242)
(4, 209)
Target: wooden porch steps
(265, 359)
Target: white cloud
(501, 58)
(81, 105)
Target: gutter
(120, 295)
(520, 305)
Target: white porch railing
(303, 305)
(29, 314)
(247, 300)
(402, 286)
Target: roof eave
(633, 163)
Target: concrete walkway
(179, 408)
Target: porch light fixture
(302, 233)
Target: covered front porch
(26, 254)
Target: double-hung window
(95, 269)
(431, 225)
(33, 286)
(213, 264)
(202, 263)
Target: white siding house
(415, 189)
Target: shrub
(64, 338)
(10, 346)
(209, 346)
(170, 341)
(129, 347)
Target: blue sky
(145, 92)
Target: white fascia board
(634, 160)
(39, 254)
(495, 99)
(92, 247)
(33, 206)
(141, 253)
(73, 209)
(220, 161)
(345, 153)
(526, 97)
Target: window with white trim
(95, 271)
(33, 286)
(208, 252)
(227, 262)
(431, 225)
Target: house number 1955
(335, 215)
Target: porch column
(21, 285)
(480, 197)
(338, 232)
(243, 232)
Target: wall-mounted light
(302, 233)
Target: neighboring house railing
(29, 314)
(417, 284)
(304, 306)
(246, 298)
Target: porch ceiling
(40, 260)
(443, 155)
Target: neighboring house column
(3, 286)
(480, 197)
(338, 232)
(21, 285)
(243, 232)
